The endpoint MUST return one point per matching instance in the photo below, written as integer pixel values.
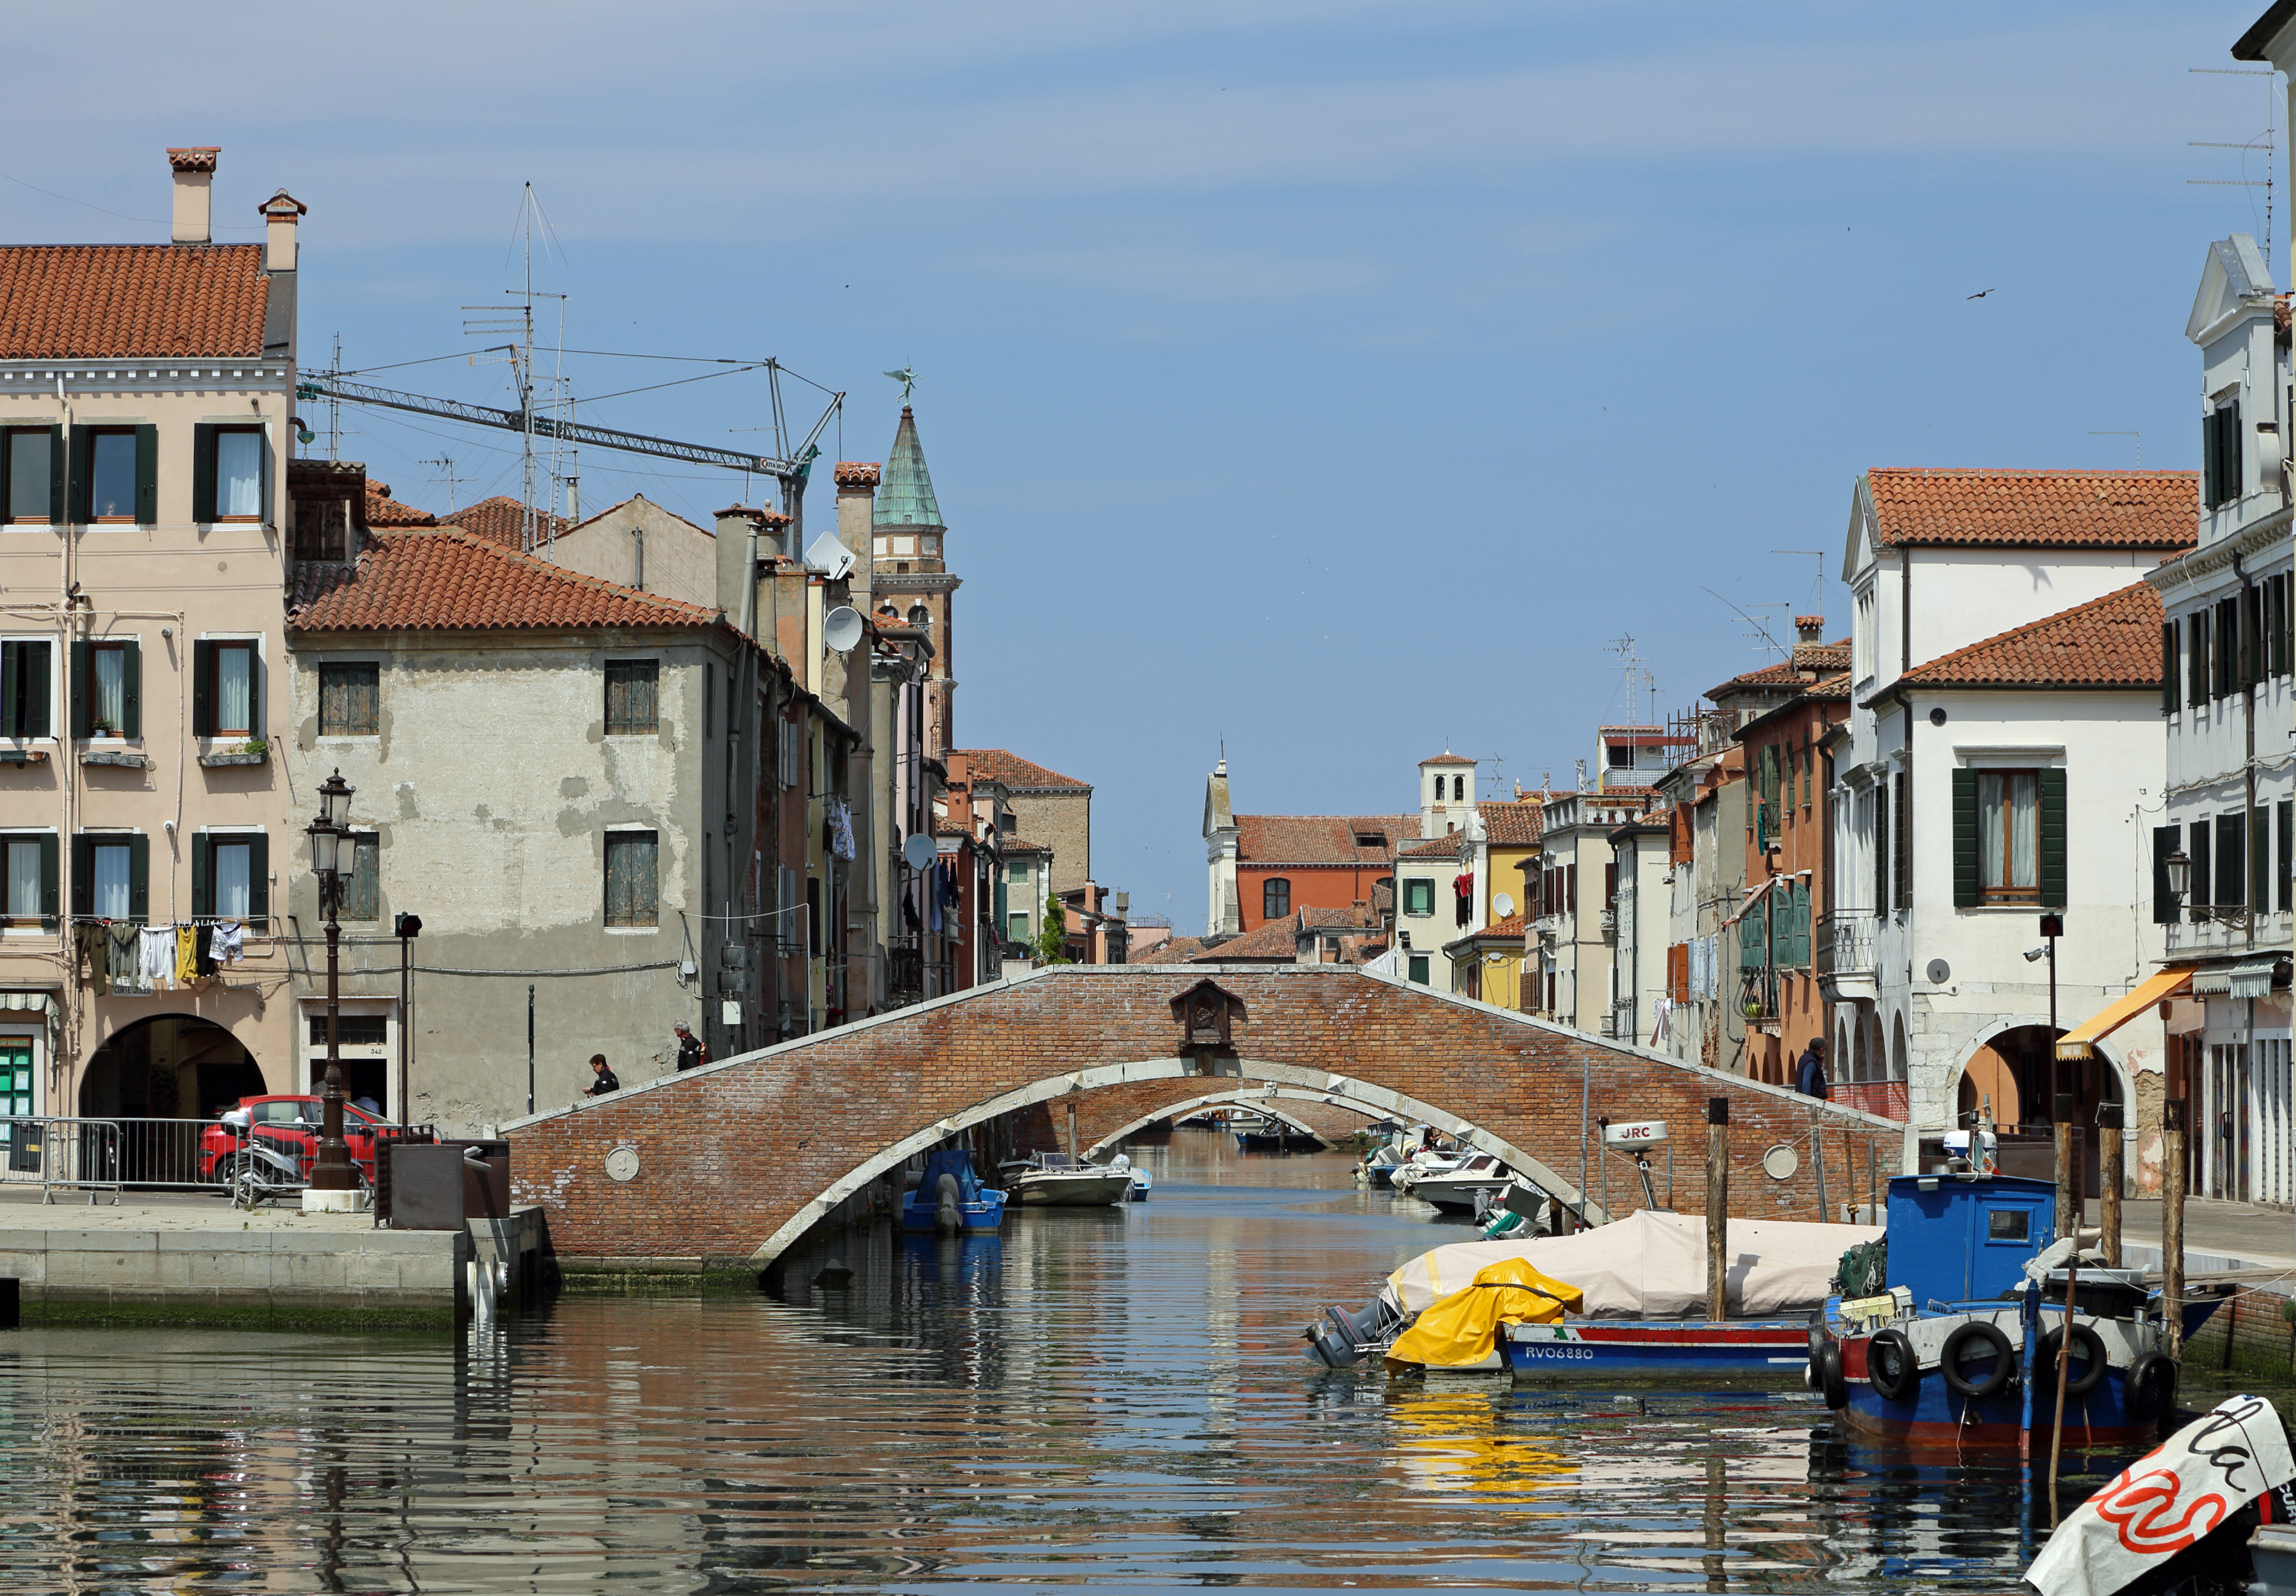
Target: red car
(288, 1126)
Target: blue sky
(1339, 379)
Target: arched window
(1458, 787)
(919, 616)
(1274, 898)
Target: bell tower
(911, 571)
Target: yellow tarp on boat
(1458, 1330)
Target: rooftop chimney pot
(194, 167)
(280, 214)
(1810, 628)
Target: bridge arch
(1261, 1098)
(735, 1161)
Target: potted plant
(104, 728)
(257, 746)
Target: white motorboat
(1421, 1166)
(1457, 1190)
(1054, 1180)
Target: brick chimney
(1810, 628)
(194, 167)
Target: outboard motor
(948, 1212)
(1338, 1339)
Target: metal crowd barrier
(61, 1154)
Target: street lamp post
(329, 833)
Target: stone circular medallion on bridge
(622, 1164)
(1781, 1162)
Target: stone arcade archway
(736, 1161)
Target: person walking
(606, 1082)
(691, 1054)
(1809, 1073)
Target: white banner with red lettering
(2166, 1500)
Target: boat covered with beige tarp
(1651, 1265)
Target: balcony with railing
(1843, 943)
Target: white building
(2229, 710)
(2002, 764)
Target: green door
(21, 1140)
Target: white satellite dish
(841, 628)
(830, 555)
(1501, 905)
(919, 851)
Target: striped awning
(2080, 1042)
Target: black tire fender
(1826, 1377)
(2150, 1385)
(1892, 1368)
(2045, 1362)
(1956, 1344)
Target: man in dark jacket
(606, 1082)
(1809, 1074)
(691, 1054)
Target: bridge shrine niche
(1207, 1013)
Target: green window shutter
(48, 878)
(83, 888)
(76, 690)
(1902, 843)
(1881, 849)
(203, 463)
(147, 475)
(255, 691)
(1967, 891)
(12, 690)
(203, 689)
(2228, 648)
(2052, 838)
(258, 877)
(2287, 864)
(2168, 668)
(2203, 878)
(57, 475)
(1802, 900)
(83, 463)
(2165, 841)
(1750, 936)
(202, 876)
(2259, 858)
(2196, 658)
(37, 693)
(131, 697)
(139, 877)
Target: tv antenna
(1818, 589)
(446, 462)
(2129, 433)
(1759, 630)
(1630, 665)
(335, 410)
(2269, 144)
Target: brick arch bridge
(737, 1161)
(1289, 1104)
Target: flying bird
(1981, 293)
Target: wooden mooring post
(2172, 1227)
(1717, 1206)
(2109, 1176)
(2069, 1199)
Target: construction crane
(790, 470)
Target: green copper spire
(904, 498)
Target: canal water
(1114, 1399)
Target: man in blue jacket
(1809, 1073)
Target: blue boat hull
(1767, 1349)
(978, 1217)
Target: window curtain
(113, 880)
(239, 473)
(232, 690)
(109, 667)
(24, 880)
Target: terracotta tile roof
(1447, 758)
(499, 519)
(383, 510)
(1014, 845)
(1516, 825)
(2096, 509)
(2111, 641)
(1833, 687)
(1175, 950)
(169, 302)
(1358, 917)
(1450, 846)
(1512, 926)
(1266, 840)
(1274, 943)
(447, 580)
(1019, 774)
(1810, 661)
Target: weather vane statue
(907, 377)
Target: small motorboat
(1473, 1186)
(1264, 1133)
(1057, 1179)
(1422, 1164)
(949, 1199)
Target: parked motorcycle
(266, 1162)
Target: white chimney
(281, 213)
(194, 170)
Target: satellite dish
(1501, 905)
(1781, 1162)
(830, 555)
(841, 628)
(1938, 972)
(919, 851)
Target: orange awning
(2075, 1045)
